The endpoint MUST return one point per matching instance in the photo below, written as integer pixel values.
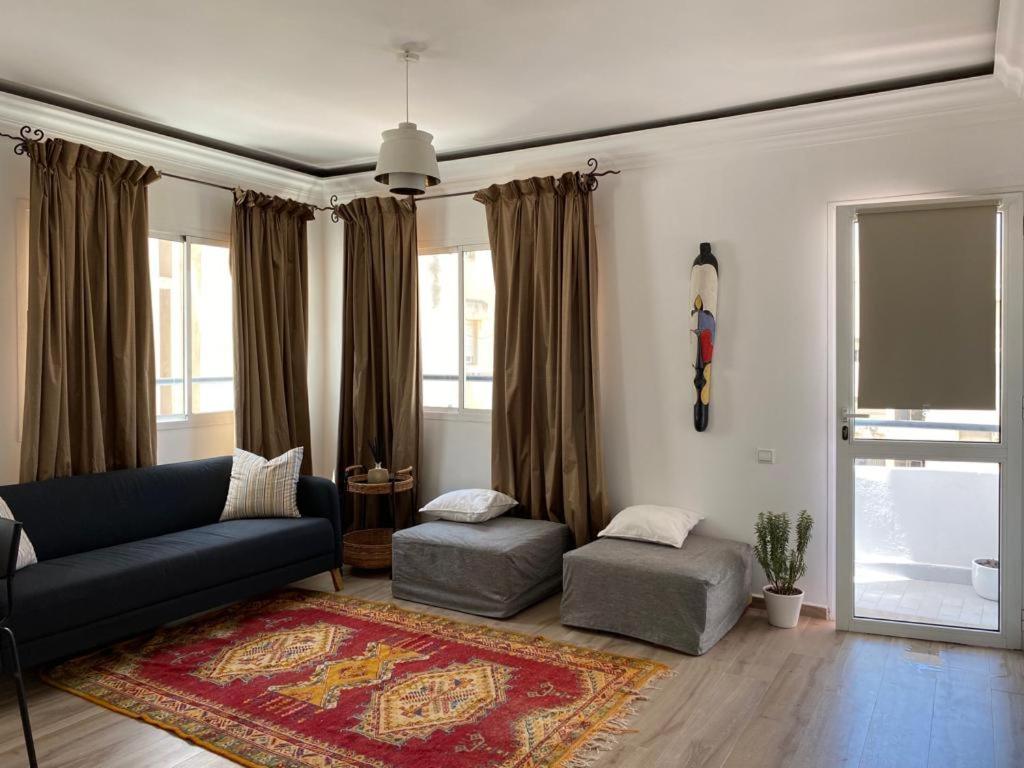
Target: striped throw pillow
(261, 487)
(26, 552)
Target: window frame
(190, 420)
(459, 413)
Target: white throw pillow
(263, 488)
(647, 522)
(472, 505)
(26, 552)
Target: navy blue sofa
(123, 552)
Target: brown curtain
(545, 441)
(380, 356)
(89, 375)
(269, 276)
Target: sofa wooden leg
(336, 578)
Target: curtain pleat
(269, 273)
(90, 371)
(380, 378)
(545, 440)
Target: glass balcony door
(927, 475)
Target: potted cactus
(783, 565)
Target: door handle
(847, 418)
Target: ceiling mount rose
(407, 162)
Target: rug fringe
(607, 736)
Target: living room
(358, 405)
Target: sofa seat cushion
(685, 598)
(495, 568)
(66, 592)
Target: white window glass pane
(926, 537)
(212, 350)
(930, 424)
(439, 328)
(167, 285)
(478, 316)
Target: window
(190, 281)
(457, 326)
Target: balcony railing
(960, 426)
(482, 377)
(164, 381)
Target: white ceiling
(317, 80)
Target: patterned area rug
(313, 679)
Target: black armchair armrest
(318, 497)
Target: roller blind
(928, 308)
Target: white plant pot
(783, 610)
(985, 578)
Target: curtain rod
(28, 135)
(590, 181)
(165, 174)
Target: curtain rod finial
(589, 179)
(25, 136)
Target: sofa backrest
(78, 514)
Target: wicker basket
(369, 548)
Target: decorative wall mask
(703, 309)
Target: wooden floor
(810, 696)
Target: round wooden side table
(370, 548)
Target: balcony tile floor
(879, 595)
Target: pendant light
(407, 164)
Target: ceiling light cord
(407, 87)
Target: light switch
(765, 455)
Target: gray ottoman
(686, 598)
(495, 569)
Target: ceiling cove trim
(975, 100)
(164, 153)
(1009, 53)
(964, 102)
(802, 100)
(817, 97)
(161, 129)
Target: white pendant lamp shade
(407, 163)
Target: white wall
(456, 454)
(181, 443)
(935, 519)
(765, 211)
(13, 187)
